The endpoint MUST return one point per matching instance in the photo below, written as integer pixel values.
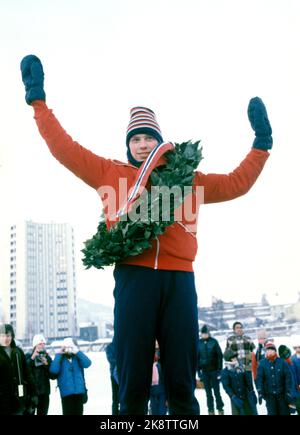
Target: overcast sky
(196, 64)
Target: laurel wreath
(131, 236)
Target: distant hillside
(90, 312)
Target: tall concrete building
(42, 285)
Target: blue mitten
(259, 121)
(238, 402)
(33, 78)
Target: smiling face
(141, 146)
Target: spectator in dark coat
(39, 363)
(111, 358)
(238, 385)
(285, 353)
(274, 382)
(16, 382)
(296, 364)
(210, 362)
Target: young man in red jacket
(155, 296)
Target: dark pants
(152, 304)
(115, 396)
(298, 405)
(248, 409)
(11, 405)
(158, 403)
(43, 404)
(277, 405)
(73, 404)
(211, 382)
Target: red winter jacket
(177, 247)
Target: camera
(39, 358)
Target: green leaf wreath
(131, 235)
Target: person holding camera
(68, 365)
(39, 362)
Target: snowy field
(99, 388)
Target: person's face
(238, 329)
(204, 335)
(297, 349)
(270, 352)
(262, 340)
(40, 347)
(141, 146)
(5, 339)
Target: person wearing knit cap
(238, 385)
(274, 383)
(262, 335)
(142, 126)
(210, 363)
(285, 353)
(155, 293)
(38, 361)
(270, 346)
(68, 367)
(204, 330)
(38, 339)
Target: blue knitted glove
(33, 78)
(238, 402)
(259, 121)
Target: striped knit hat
(143, 121)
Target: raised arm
(224, 187)
(82, 162)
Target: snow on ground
(99, 387)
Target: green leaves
(128, 238)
